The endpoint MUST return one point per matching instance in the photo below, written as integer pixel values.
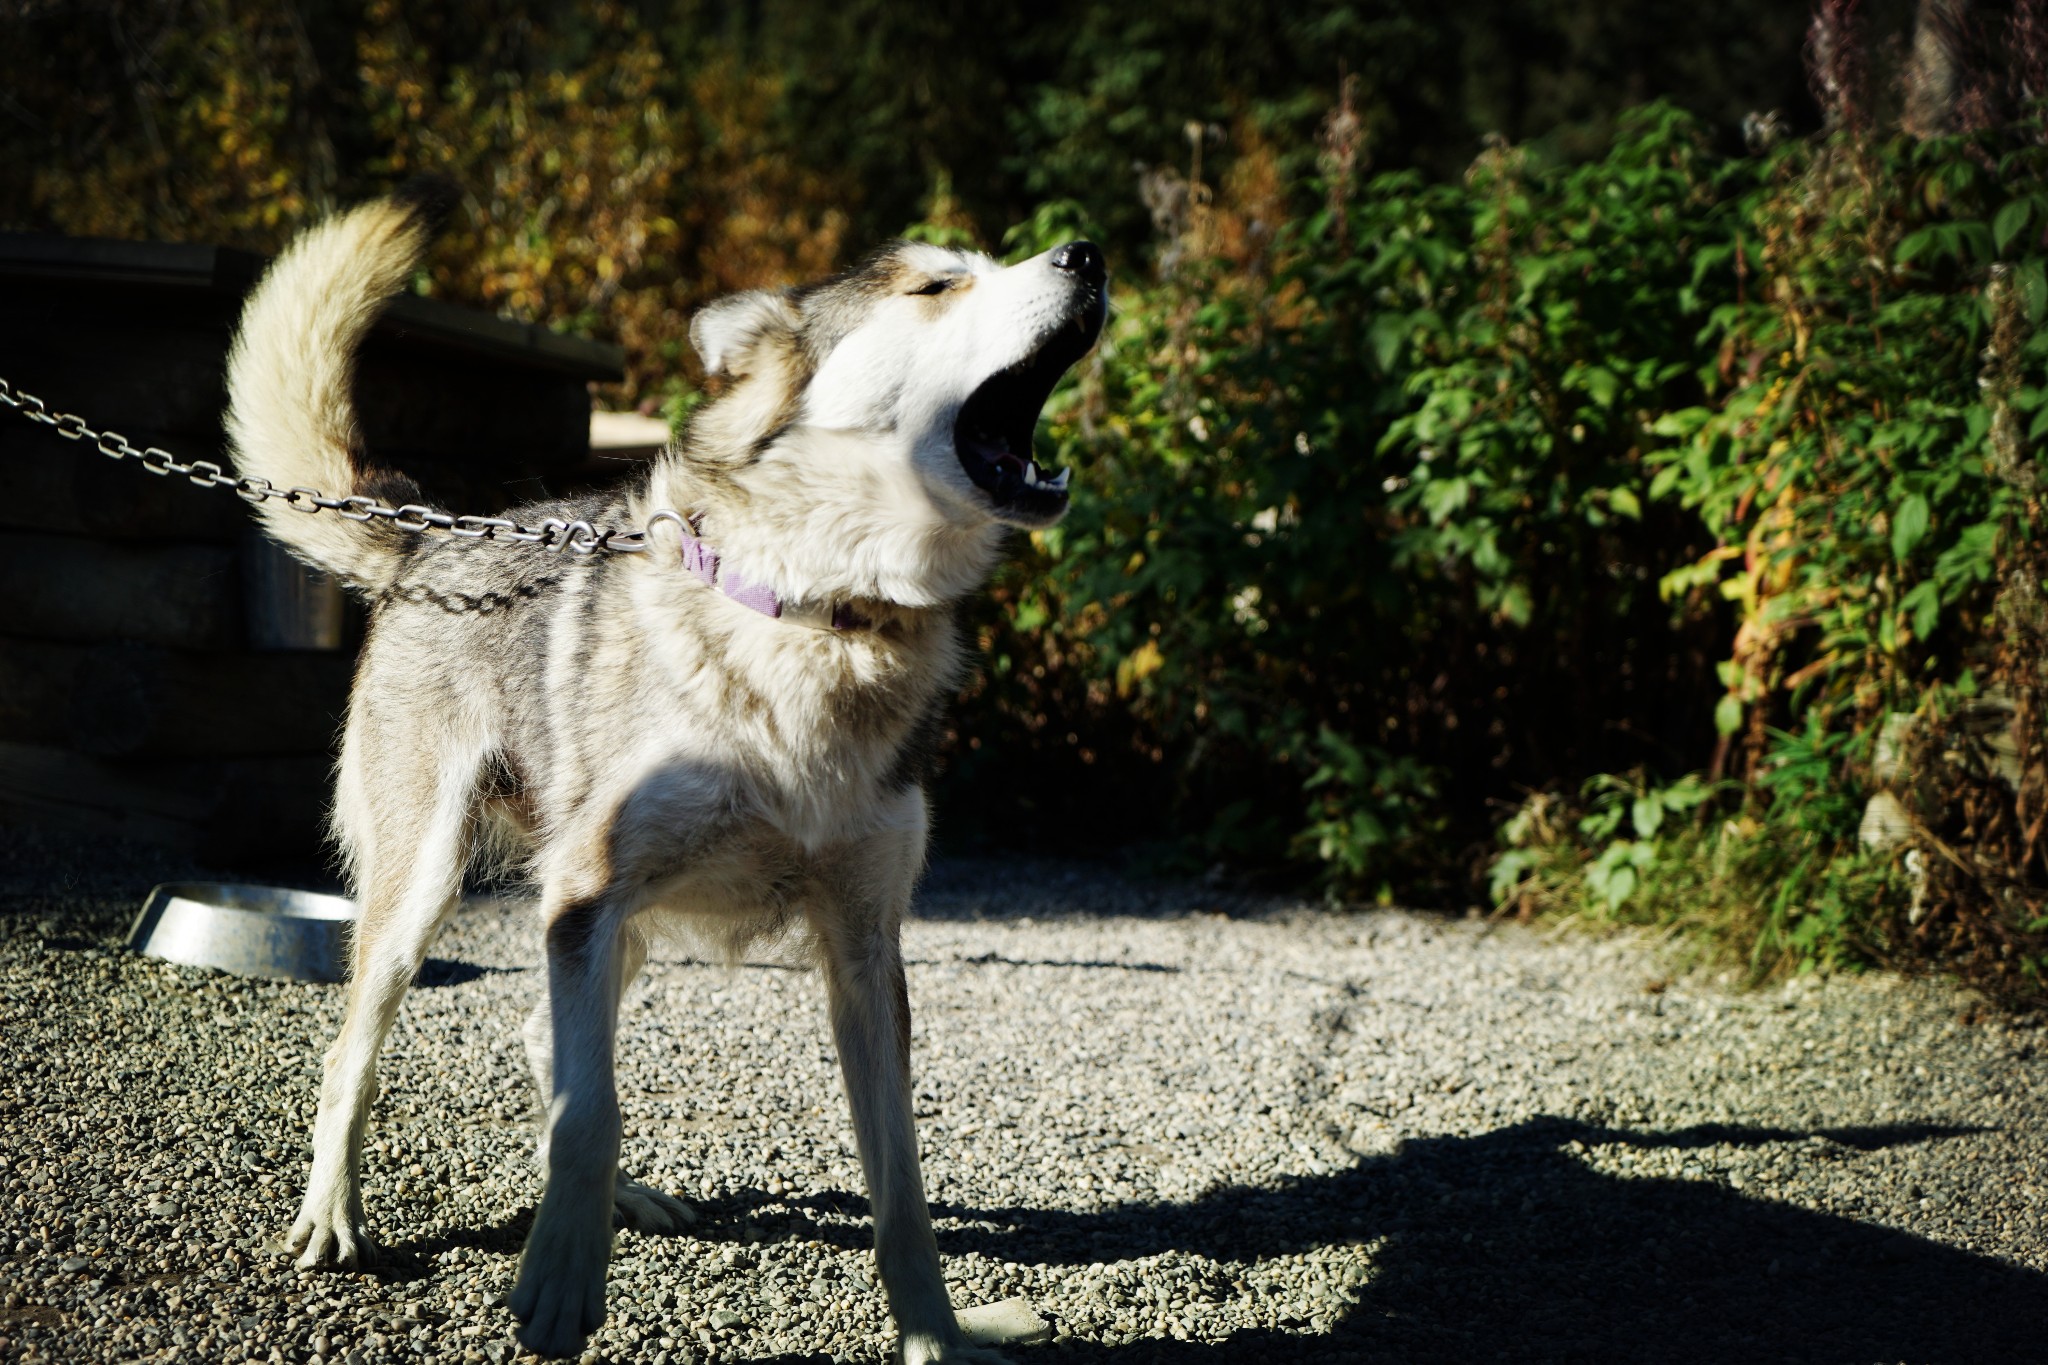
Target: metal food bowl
(248, 930)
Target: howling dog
(728, 732)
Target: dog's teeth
(1031, 474)
(1059, 484)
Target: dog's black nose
(1080, 257)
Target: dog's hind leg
(634, 1205)
(558, 1296)
(408, 874)
(858, 935)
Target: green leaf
(1728, 714)
(1508, 872)
(1977, 238)
(1977, 421)
(1515, 604)
(1925, 604)
(1621, 884)
(2032, 277)
(1624, 502)
(1686, 793)
(2010, 222)
(1683, 422)
(1914, 246)
(1389, 333)
(1602, 385)
(1442, 497)
(1909, 524)
(1647, 813)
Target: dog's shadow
(449, 971)
(737, 1218)
(415, 1258)
(1507, 1246)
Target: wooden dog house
(166, 674)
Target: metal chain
(554, 534)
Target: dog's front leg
(559, 1294)
(870, 1008)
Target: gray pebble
(1152, 1113)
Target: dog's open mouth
(992, 435)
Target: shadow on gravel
(1092, 965)
(417, 1258)
(448, 971)
(1507, 1247)
(731, 1219)
(1504, 1247)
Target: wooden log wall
(165, 673)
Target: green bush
(1370, 485)
(1401, 502)
(1621, 527)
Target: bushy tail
(291, 413)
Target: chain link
(554, 534)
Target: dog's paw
(559, 1294)
(328, 1241)
(646, 1209)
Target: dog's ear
(728, 330)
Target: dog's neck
(838, 523)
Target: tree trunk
(1934, 70)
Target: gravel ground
(1184, 1126)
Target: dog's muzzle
(992, 435)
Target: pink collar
(703, 561)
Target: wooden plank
(84, 268)
(109, 312)
(467, 412)
(118, 364)
(34, 257)
(249, 812)
(123, 375)
(266, 810)
(86, 591)
(502, 343)
(69, 488)
(123, 700)
(171, 380)
(481, 411)
(58, 789)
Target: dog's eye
(937, 286)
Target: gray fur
(666, 758)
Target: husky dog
(728, 732)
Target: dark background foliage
(1578, 459)
(995, 108)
